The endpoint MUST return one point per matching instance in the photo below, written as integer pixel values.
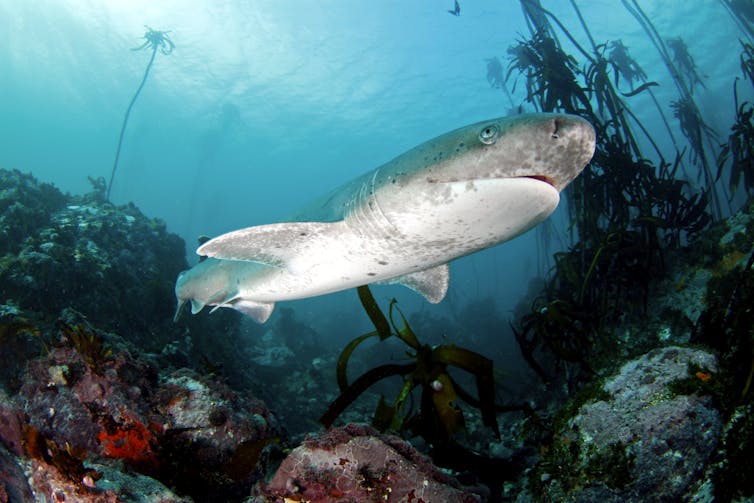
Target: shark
(403, 222)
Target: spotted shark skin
(403, 222)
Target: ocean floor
(104, 398)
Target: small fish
(456, 9)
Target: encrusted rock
(356, 463)
(637, 437)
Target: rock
(356, 463)
(13, 484)
(93, 422)
(271, 351)
(109, 262)
(637, 437)
(218, 440)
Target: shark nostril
(555, 127)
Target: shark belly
(433, 226)
(444, 221)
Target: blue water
(264, 105)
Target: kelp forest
(630, 210)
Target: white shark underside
(459, 193)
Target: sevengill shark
(403, 222)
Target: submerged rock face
(638, 437)
(90, 415)
(111, 263)
(89, 408)
(356, 463)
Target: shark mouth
(543, 178)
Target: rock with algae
(95, 420)
(356, 463)
(109, 262)
(636, 436)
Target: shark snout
(575, 141)
(554, 148)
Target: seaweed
(68, 460)
(438, 418)
(684, 62)
(624, 65)
(685, 108)
(693, 126)
(747, 62)
(742, 12)
(551, 75)
(86, 341)
(627, 211)
(739, 149)
(154, 40)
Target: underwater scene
(428, 251)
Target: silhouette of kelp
(155, 40)
(738, 151)
(627, 211)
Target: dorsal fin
(202, 239)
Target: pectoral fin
(258, 311)
(278, 245)
(430, 283)
(196, 306)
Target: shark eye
(488, 135)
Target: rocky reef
(636, 435)
(91, 418)
(112, 263)
(104, 398)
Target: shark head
(479, 185)
(204, 284)
(551, 148)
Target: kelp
(154, 40)
(438, 419)
(550, 73)
(742, 12)
(86, 341)
(747, 62)
(738, 151)
(680, 64)
(626, 210)
(684, 62)
(693, 126)
(624, 65)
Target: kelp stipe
(153, 39)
